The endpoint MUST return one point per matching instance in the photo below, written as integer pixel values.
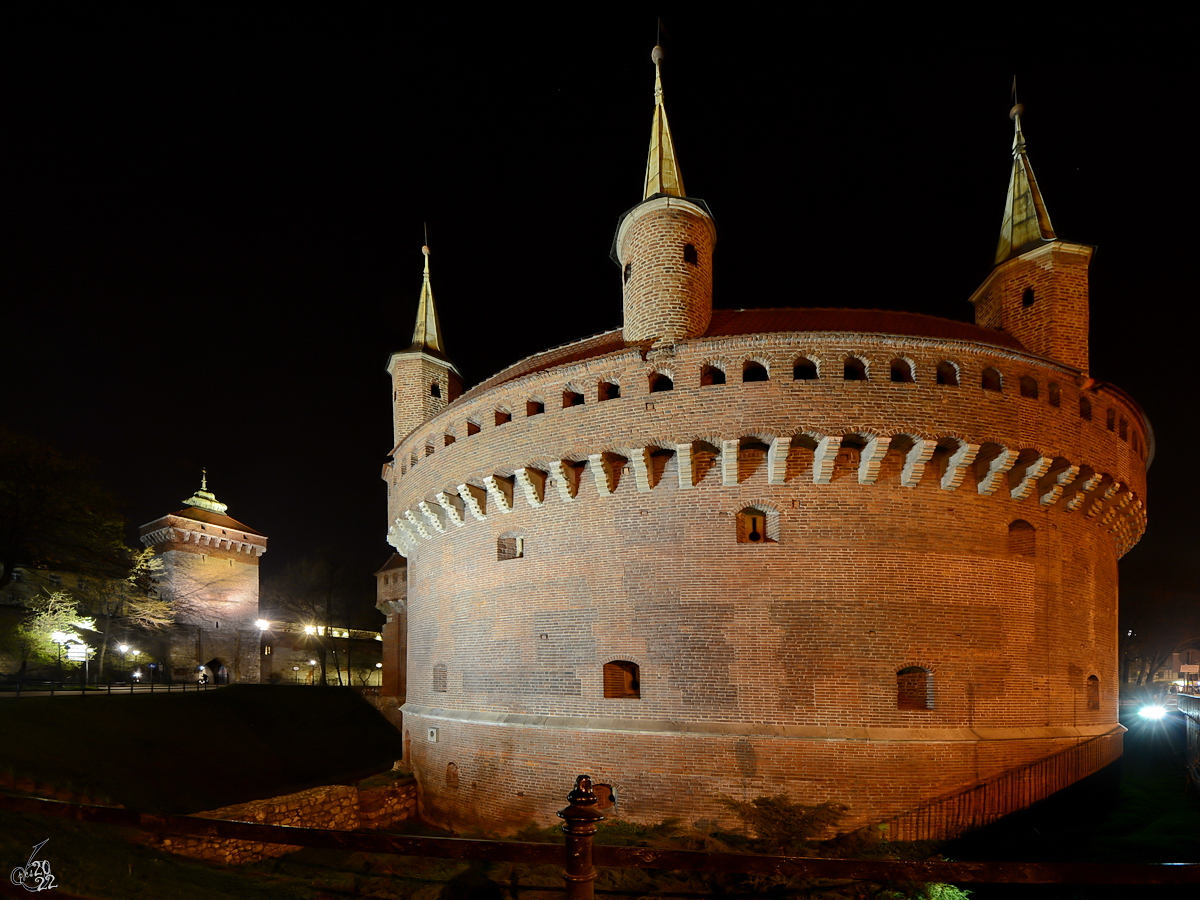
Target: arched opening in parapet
(472, 427)
(800, 457)
(992, 380)
(661, 381)
(622, 680)
(1093, 692)
(711, 373)
(662, 461)
(1022, 539)
(753, 370)
(849, 457)
(914, 688)
(1110, 419)
(902, 371)
(572, 397)
(503, 417)
(447, 439)
(1085, 409)
(510, 545)
(854, 369)
(704, 459)
(1123, 429)
(439, 678)
(804, 369)
(1029, 387)
(534, 408)
(947, 373)
(608, 390)
(758, 524)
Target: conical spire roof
(1026, 222)
(427, 335)
(662, 166)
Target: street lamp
(124, 648)
(59, 638)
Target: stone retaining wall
(335, 807)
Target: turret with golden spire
(424, 380)
(1038, 290)
(664, 246)
(206, 499)
(1026, 222)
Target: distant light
(1152, 712)
(262, 624)
(379, 665)
(310, 629)
(124, 648)
(59, 637)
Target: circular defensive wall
(859, 556)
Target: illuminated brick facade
(852, 555)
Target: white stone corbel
(475, 500)
(1027, 480)
(533, 483)
(729, 462)
(499, 493)
(1062, 478)
(683, 458)
(453, 506)
(957, 465)
(416, 524)
(431, 517)
(871, 459)
(824, 457)
(777, 455)
(566, 480)
(640, 460)
(996, 471)
(602, 473)
(914, 462)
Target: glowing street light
(1153, 711)
(262, 625)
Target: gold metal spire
(204, 498)
(1026, 222)
(427, 336)
(662, 166)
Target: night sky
(213, 226)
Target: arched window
(992, 381)
(711, 374)
(1029, 387)
(503, 417)
(902, 371)
(1085, 408)
(439, 678)
(854, 369)
(947, 373)
(1093, 692)
(804, 369)
(757, 525)
(661, 381)
(447, 439)
(1022, 539)
(914, 688)
(622, 680)
(752, 370)
(534, 407)
(572, 398)
(608, 390)
(472, 427)
(510, 545)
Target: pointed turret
(1026, 222)
(664, 246)
(662, 166)
(1038, 291)
(206, 499)
(424, 380)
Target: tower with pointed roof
(424, 380)
(855, 556)
(210, 569)
(664, 246)
(1038, 290)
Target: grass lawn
(183, 753)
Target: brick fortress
(851, 555)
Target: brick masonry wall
(769, 666)
(336, 807)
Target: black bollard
(581, 817)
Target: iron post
(581, 817)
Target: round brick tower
(860, 556)
(664, 246)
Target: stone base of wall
(335, 807)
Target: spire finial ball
(657, 54)
(1018, 110)
(425, 249)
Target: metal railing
(50, 688)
